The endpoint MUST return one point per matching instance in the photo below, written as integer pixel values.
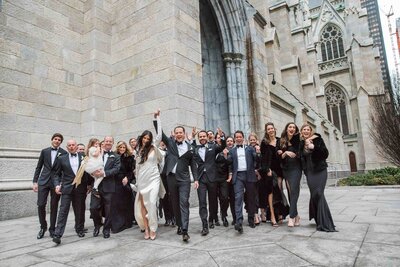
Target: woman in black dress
(288, 150)
(313, 154)
(261, 196)
(223, 163)
(272, 172)
(122, 203)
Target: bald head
(72, 146)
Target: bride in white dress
(148, 181)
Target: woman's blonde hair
(127, 151)
(304, 126)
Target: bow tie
(107, 152)
(73, 154)
(203, 145)
(239, 145)
(178, 143)
(54, 148)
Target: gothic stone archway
(226, 98)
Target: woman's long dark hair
(285, 142)
(266, 138)
(144, 151)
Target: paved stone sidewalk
(368, 220)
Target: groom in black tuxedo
(43, 185)
(66, 169)
(112, 164)
(243, 174)
(180, 158)
(205, 155)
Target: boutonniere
(58, 154)
(82, 158)
(111, 156)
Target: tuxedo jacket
(64, 175)
(45, 170)
(252, 160)
(111, 170)
(183, 162)
(207, 168)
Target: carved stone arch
(331, 42)
(338, 106)
(231, 20)
(324, 19)
(340, 87)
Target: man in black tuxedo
(205, 155)
(43, 185)
(67, 167)
(180, 157)
(244, 159)
(112, 164)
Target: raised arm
(158, 138)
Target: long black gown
(270, 160)
(123, 200)
(315, 168)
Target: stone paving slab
(367, 220)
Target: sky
(384, 6)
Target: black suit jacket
(183, 162)
(207, 169)
(44, 169)
(64, 175)
(111, 169)
(252, 160)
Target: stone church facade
(99, 67)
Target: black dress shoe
(211, 225)
(217, 223)
(179, 231)
(106, 234)
(57, 240)
(185, 237)
(239, 228)
(225, 221)
(81, 234)
(167, 223)
(204, 232)
(41, 233)
(252, 225)
(96, 231)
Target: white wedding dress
(149, 185)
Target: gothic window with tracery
(331, 43)
(336, 108)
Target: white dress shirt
(242, 165)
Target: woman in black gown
(288, 150)
(122, 204)
(313, 154)
(272, 173)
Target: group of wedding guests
(127, 185)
